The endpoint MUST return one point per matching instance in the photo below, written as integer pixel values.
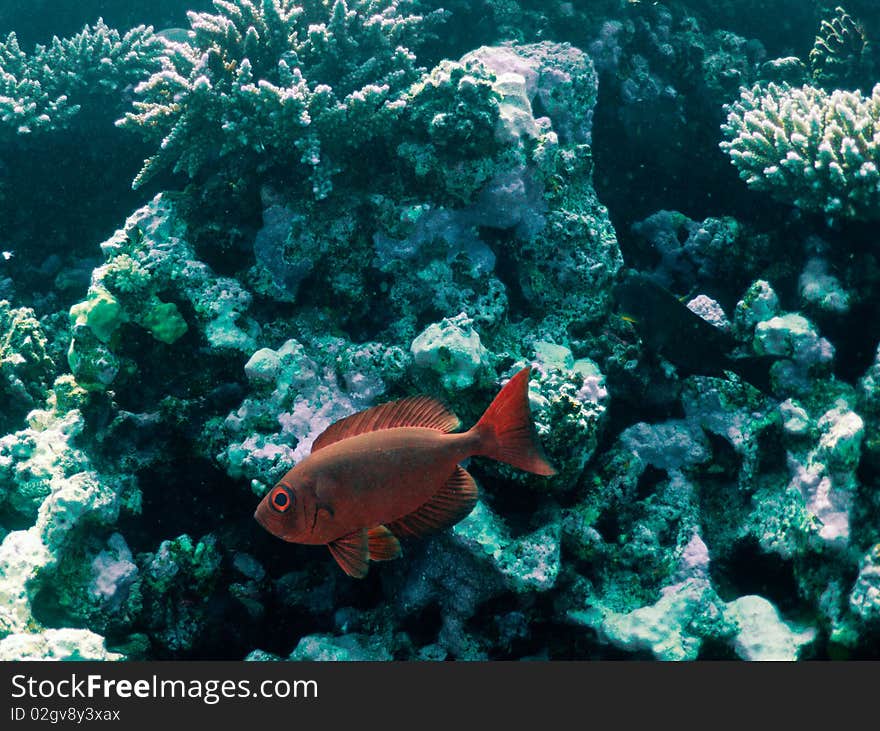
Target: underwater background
(226, 225)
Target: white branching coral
(43, 90)
(264, 82)
(818, 150)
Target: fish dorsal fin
(383, 544)
(450, 504)
(415, 411)
(352, 553)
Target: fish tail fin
(506, 432)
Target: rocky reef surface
(225, 226)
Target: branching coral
(817, 150)
(43, 90)
(842, 54)
(253, 84)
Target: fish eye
(281, 499)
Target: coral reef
(666, 70)
(342, 203)
(295, 396)
(714, 252)
(26, 368)
(58, 102)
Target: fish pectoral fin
(352, 553)
(383, 544)
(450, 504)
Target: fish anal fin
(420, 411)
(453, 502)
(383, 544)
(352, 553)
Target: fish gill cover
(226, 226)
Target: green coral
(165, 322)
(196, 562)
(276, 82)
(101, 313)
(817, 150)
(151, 255)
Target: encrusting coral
(150, 254)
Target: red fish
(393, 472)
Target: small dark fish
(694, 345)
(393, 472)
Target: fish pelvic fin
(382, 544)
(415, 411)
(506, 431)
(352, 553)
(450, 504)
